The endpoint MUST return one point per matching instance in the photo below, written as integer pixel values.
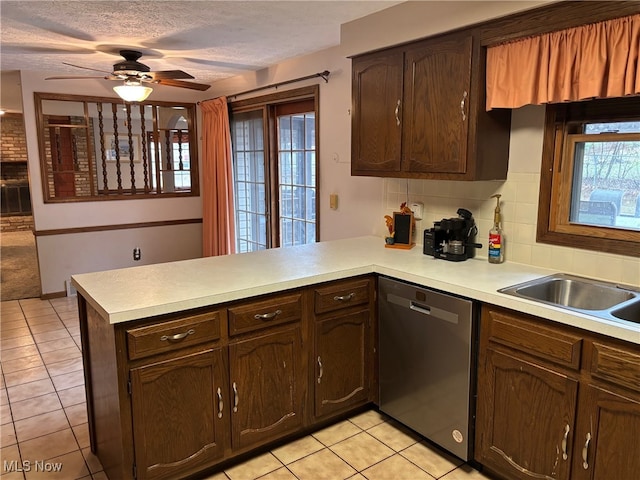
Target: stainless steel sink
(602, 299)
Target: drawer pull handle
(397, 111)
(235, 397)
(321, 371)
(177, 337)
(564, 442)
(267, 316)
(585, 452)
(344, 298)
(220, 403)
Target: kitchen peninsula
(172, 346)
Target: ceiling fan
(134, 74)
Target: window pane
(612, 127)
(285, 168)
(310, 134)
(297, 132)
(310, 168)
(606, 183)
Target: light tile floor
(44, 419)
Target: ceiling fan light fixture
(133, 91)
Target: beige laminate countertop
(139, 292)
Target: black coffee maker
(452, 239)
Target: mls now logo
(29, 466)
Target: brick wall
(16, 224)
(13, 157)
(14, 140)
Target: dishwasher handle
(423, 309)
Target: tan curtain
(218, 223)
(592, 61)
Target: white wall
(359, 198)
(60, 256)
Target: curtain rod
(324, 75)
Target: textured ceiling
(211, 40)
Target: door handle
(235, 397)
(585, 452)
(321, 370)
(397, 112)
(220, 403)
(564, 442)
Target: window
(274, 142)
(590, 181)
(104, 149)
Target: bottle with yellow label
(496, 237)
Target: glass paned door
(250, 181)
(275, 169)
(297, 179)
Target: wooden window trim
(556, 176)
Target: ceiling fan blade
(75, 77)
(86, 68)
(169, 75)
(179, 83)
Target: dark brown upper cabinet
(419, 112)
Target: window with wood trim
(103, 149)
(274, 141)
(590, 177)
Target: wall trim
(124, 226)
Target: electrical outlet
(137, 254)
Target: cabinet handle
(344, 298)
(320, 365)
(585, 452)
(267, 316)
(564, 442)
(397, 116)
(235, 397)
(177, 337)
(463, 105)
(220, 403)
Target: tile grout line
(49, 376)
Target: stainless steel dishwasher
(427, 350)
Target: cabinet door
(437, 85)
(607, 443)
(343, 362)
(376, 124)
(522, 415)
(267, 384)
(176, 423)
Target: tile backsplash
(519, 208)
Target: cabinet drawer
(549, 344)
(272, 311)
(341, 295)
(174, 334)
(616, 365)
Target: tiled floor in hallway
(43, 416)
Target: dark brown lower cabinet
(266, 387)
(178, 414)
(540, 403)
(555, 402)
(342, 362)
(607, 443)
